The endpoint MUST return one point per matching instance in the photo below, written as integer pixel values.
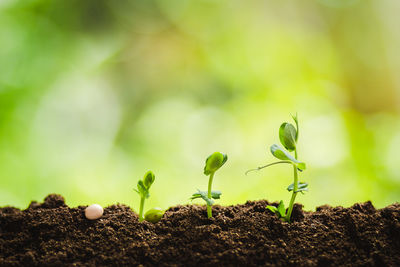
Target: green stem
(209, 212)
(295, 188)
(265, 166)
(141, 218)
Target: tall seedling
(288, 136)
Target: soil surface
(51, 233)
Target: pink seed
(93, 212)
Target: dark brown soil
(51, 233)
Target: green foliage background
(94, 93)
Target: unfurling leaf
(214, 162)
(148, 179)
(142, 190)
(301, 187)
(288, 136)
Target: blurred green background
(94, 93)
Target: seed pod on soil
(154, 215)
(94, 212)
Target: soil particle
(51, 233)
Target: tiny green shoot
(213, 163)
(143, 187)
(288, 136)
(154, 215)
(279, 210)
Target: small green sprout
(213, 163)
(154, 215)
(143, 187)
(288, 135)
(279, 211)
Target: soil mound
(51, 233)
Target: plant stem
(141, 218)
(209, 212)
(295, 188)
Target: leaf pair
(214, 162)
(203, 195)
(288, 135)
(144, 185)
(280, 211)
(301, 187)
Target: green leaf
(148, 179)
(214, 162)
(282, 154)
(142, 190)
(273, 209)
(141, 187)
(204, 196)
(281, 209)
(300, 187)
(196, 195)
(214, 194)
(288, 136)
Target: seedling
(288, 135)
(213, 163)
(154, 215)
(143, 187)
